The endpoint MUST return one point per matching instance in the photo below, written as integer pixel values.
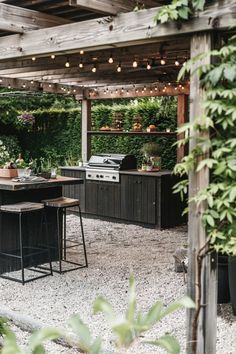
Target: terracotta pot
(8, 172)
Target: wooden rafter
(111, 7)
(18, 19)
(126, 29)
(39, 86)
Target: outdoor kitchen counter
(140, 197)
(13, 192)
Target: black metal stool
(61, 204)
(25, 252)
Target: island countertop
(8, 184)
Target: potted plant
(7, 168)
(151, 152)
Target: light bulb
(119, 68)
(122, 90)
(24, 85)
(110, 60)
(81, 65)
(162, 61)
(49, 85)
(155, 88)
(94, 69)
(53, 56)
(81, 52)
(176, 62)
(135, 63)
(144, 88)
(33, 58)
(127, 92)
(32, 82)
(67, 63)
(148, 66)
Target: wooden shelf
(110, 132)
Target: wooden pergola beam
(124, 30)
(20, 20)
(19, 84)
(112, 92)
(110, 7)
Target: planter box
(8, 172)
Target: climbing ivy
(216, 151)
(179, 10)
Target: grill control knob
(101, 176)
(89, 176)
(97, 176)
(113, 177)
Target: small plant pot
(223, 280)
(8, 172)
(46, 175)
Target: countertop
(8, 184)
(126, 172)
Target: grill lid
(113, 161)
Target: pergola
(96, 49)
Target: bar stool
(61, 205)
(24, 252)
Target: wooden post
(182, 117)
(206, 327)
(85, 126)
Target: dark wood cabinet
(75, 191)
(138, 199)
(103, 198)
(145, 198)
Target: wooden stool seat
(21, 207)
(64, 243)
(61, 202)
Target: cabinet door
(138, 198)
(109, 199)
(103, 198)
(76, 191)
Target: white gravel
(114, 250)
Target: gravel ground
(114, 250)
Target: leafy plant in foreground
(216, 151)
(127, 329)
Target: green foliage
(127, 328)
(217, 152)
(56, 134)
(179, 10)
(131, 326)
(159, 111)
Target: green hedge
(56, 133)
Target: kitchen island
(13, 192)
(139, 197)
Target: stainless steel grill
(106, 167)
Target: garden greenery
(127, 329)
(217, 151)
(56, 133)
(179, 10)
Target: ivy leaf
(205, 163)
(232, 194)
(210, 220)
(229, 73)
(198, 5)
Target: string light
(32, 81)
(135, 63)
(53, 56)
(148, 65)
(177, 62)
(162, 61)
(24, 85)
(81, 65)
(151, 91)
(94, 68)
(74, 90)
(105, 92)
(144, 88)
(81, 52)
(110, 60)
(50, 85)
(33, 58)
(136, 90)
(9, 86)
(127, 92)
(0, 80)
(155, 88)
(67, 63)
(122, 90)
(119, 68)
